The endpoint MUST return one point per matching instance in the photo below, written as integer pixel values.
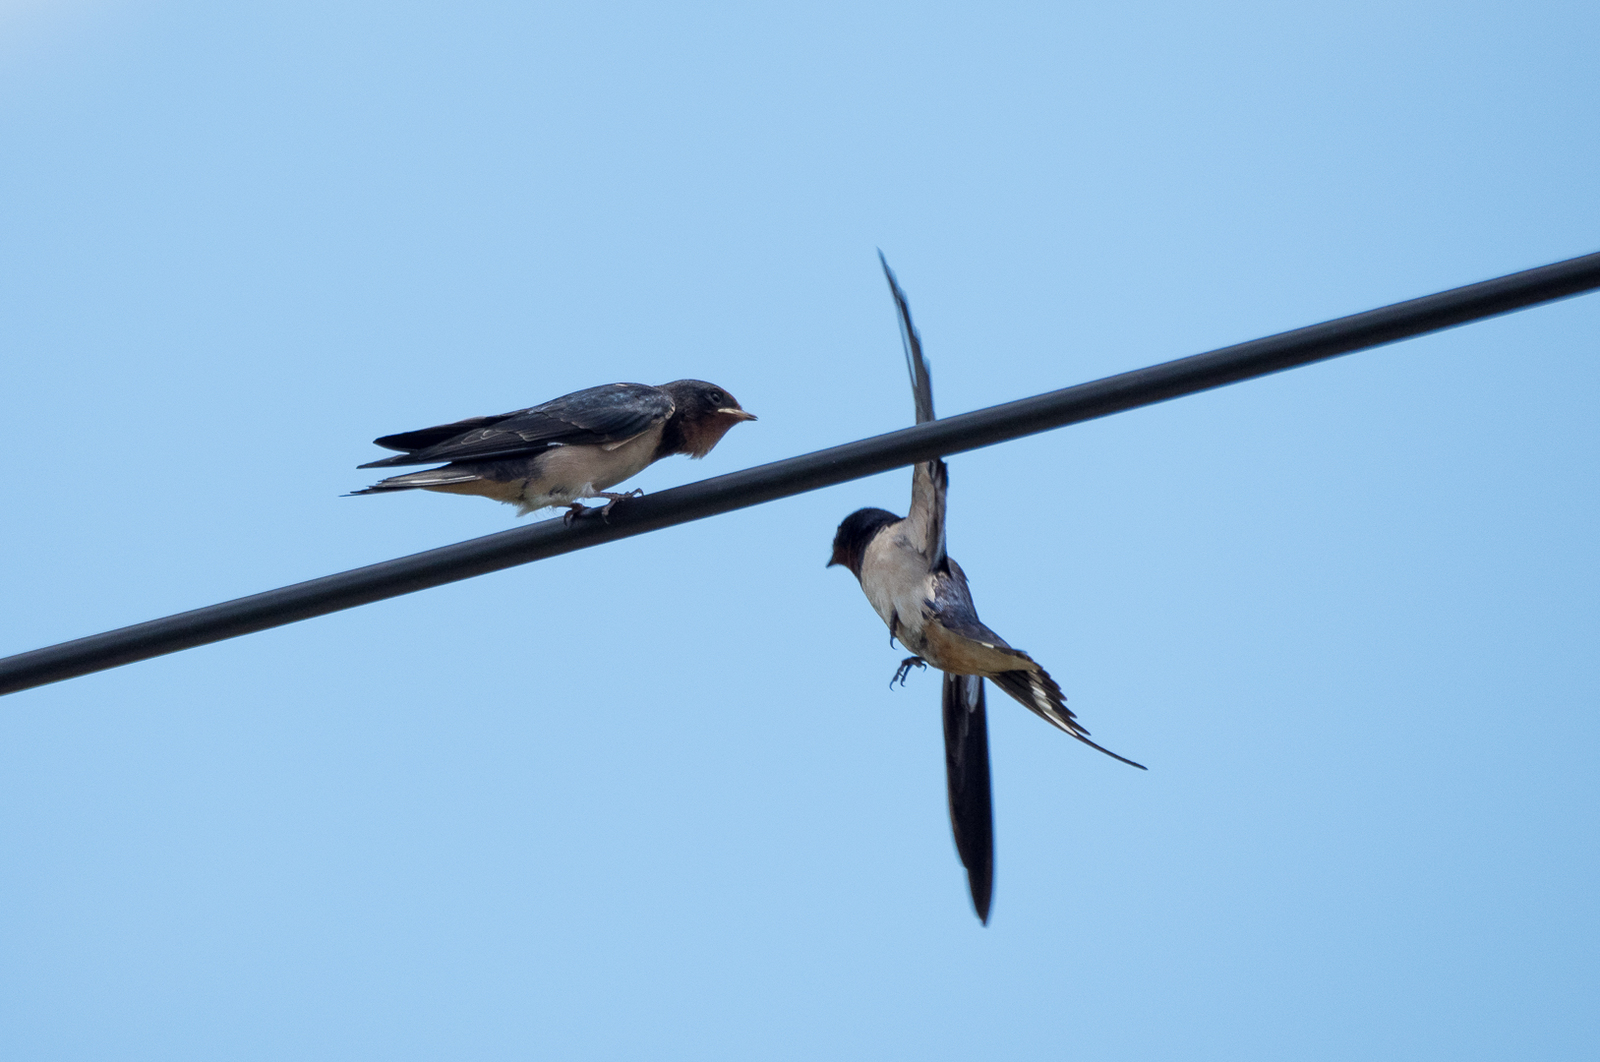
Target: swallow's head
(703, 416)
(855, 534)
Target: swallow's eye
(717, 398)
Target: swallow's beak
(738, 414)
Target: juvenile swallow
(921, 593)
(569, 448)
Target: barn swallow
(569, 448)
(921, 593)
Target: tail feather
(433, 477)
(1035, 690)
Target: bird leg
(575, 511)
(612, 499)
(905, 669)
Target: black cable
(694, 501)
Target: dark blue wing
(593, 416)
(952, 600)
(930, 482)
(916, 364)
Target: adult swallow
(922, 594)
(569, 448)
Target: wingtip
(982, 895)
(894, 282)
(392, 462)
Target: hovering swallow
(921, 593)
(569, 448)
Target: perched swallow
(569, 448)
(921, 593)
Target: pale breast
(896, 580)
(574, 471)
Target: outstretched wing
(930, 486)
(966, 771)
(930, 480)
(921, 380)
(596, 416)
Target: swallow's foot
(612, 499)
(576, 511)
(905, 669)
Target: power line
(796, 475)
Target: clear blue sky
(655, 800)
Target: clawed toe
(612, 499)
(905, 669)
(577, 510)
